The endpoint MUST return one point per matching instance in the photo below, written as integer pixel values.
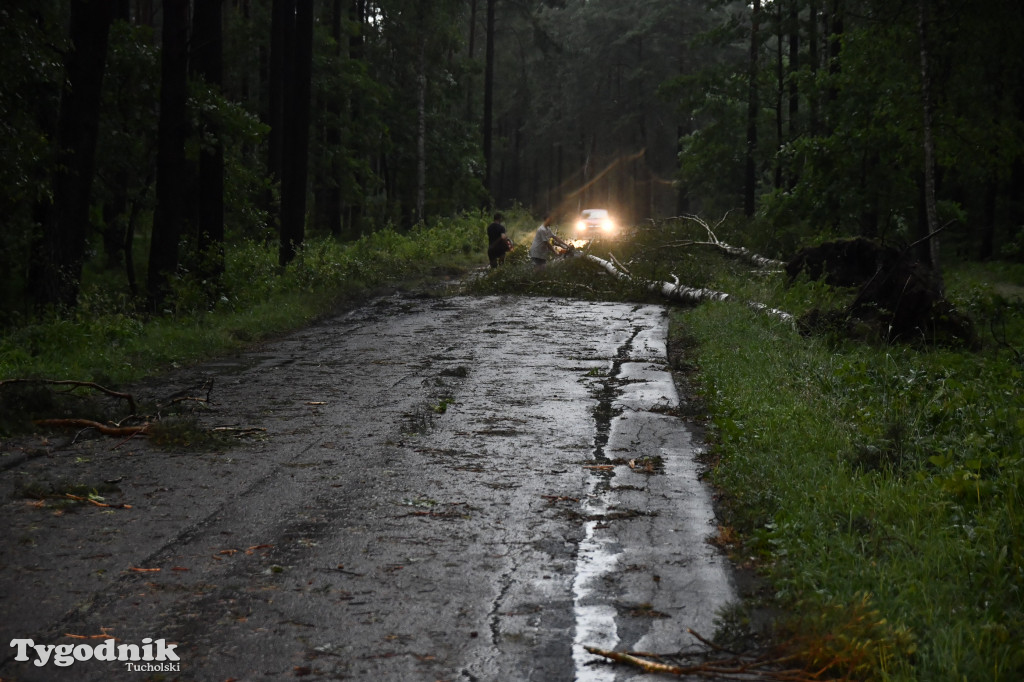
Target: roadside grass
(877, 488)
(106, 340)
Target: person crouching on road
(544, 242)
(498, 242)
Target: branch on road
(105, 429)
(734, 668)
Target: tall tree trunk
(421, 131)
(835, 46)
(470, 90)
(282, 28)
(56, 269)
(780, 92)
(931, 213)
(489, 97)
(794, 67)
(353, 211)
(814, 122)
(296, 136)
(171, 166)
(208, 64)
(753, 109)
(327, 183)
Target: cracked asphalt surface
(440, 489)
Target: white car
(595, 221)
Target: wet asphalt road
(443, 491)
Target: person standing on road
(498, 242)
(544, 242)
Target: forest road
(443, 491)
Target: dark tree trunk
(489, 97)
(171, 165)
(296, 136)
(208, 64)
(353, 210)
(470, 90)
(282, 28)
(780, 92)
(421, 131)
(56, 271)
(794, 67)
(813, 124)
(835, 45)
(115, 209)
(753, 109)
(327, 185)
(931, 213)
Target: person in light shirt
(544, 243)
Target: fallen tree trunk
(745, 254)
(728, 249)
(676, 291)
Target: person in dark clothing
(499, 243)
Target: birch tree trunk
(675, 291)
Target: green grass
(877, 487)
(105, 340)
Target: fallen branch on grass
(677, 291)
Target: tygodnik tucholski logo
(150, 656)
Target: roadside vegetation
(106, 339)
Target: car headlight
(608, 225)
(580, 225)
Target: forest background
(151, 137)
(184, 177)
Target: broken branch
(105, 429)
(736, 669)
(76, 384)
(79, 498)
